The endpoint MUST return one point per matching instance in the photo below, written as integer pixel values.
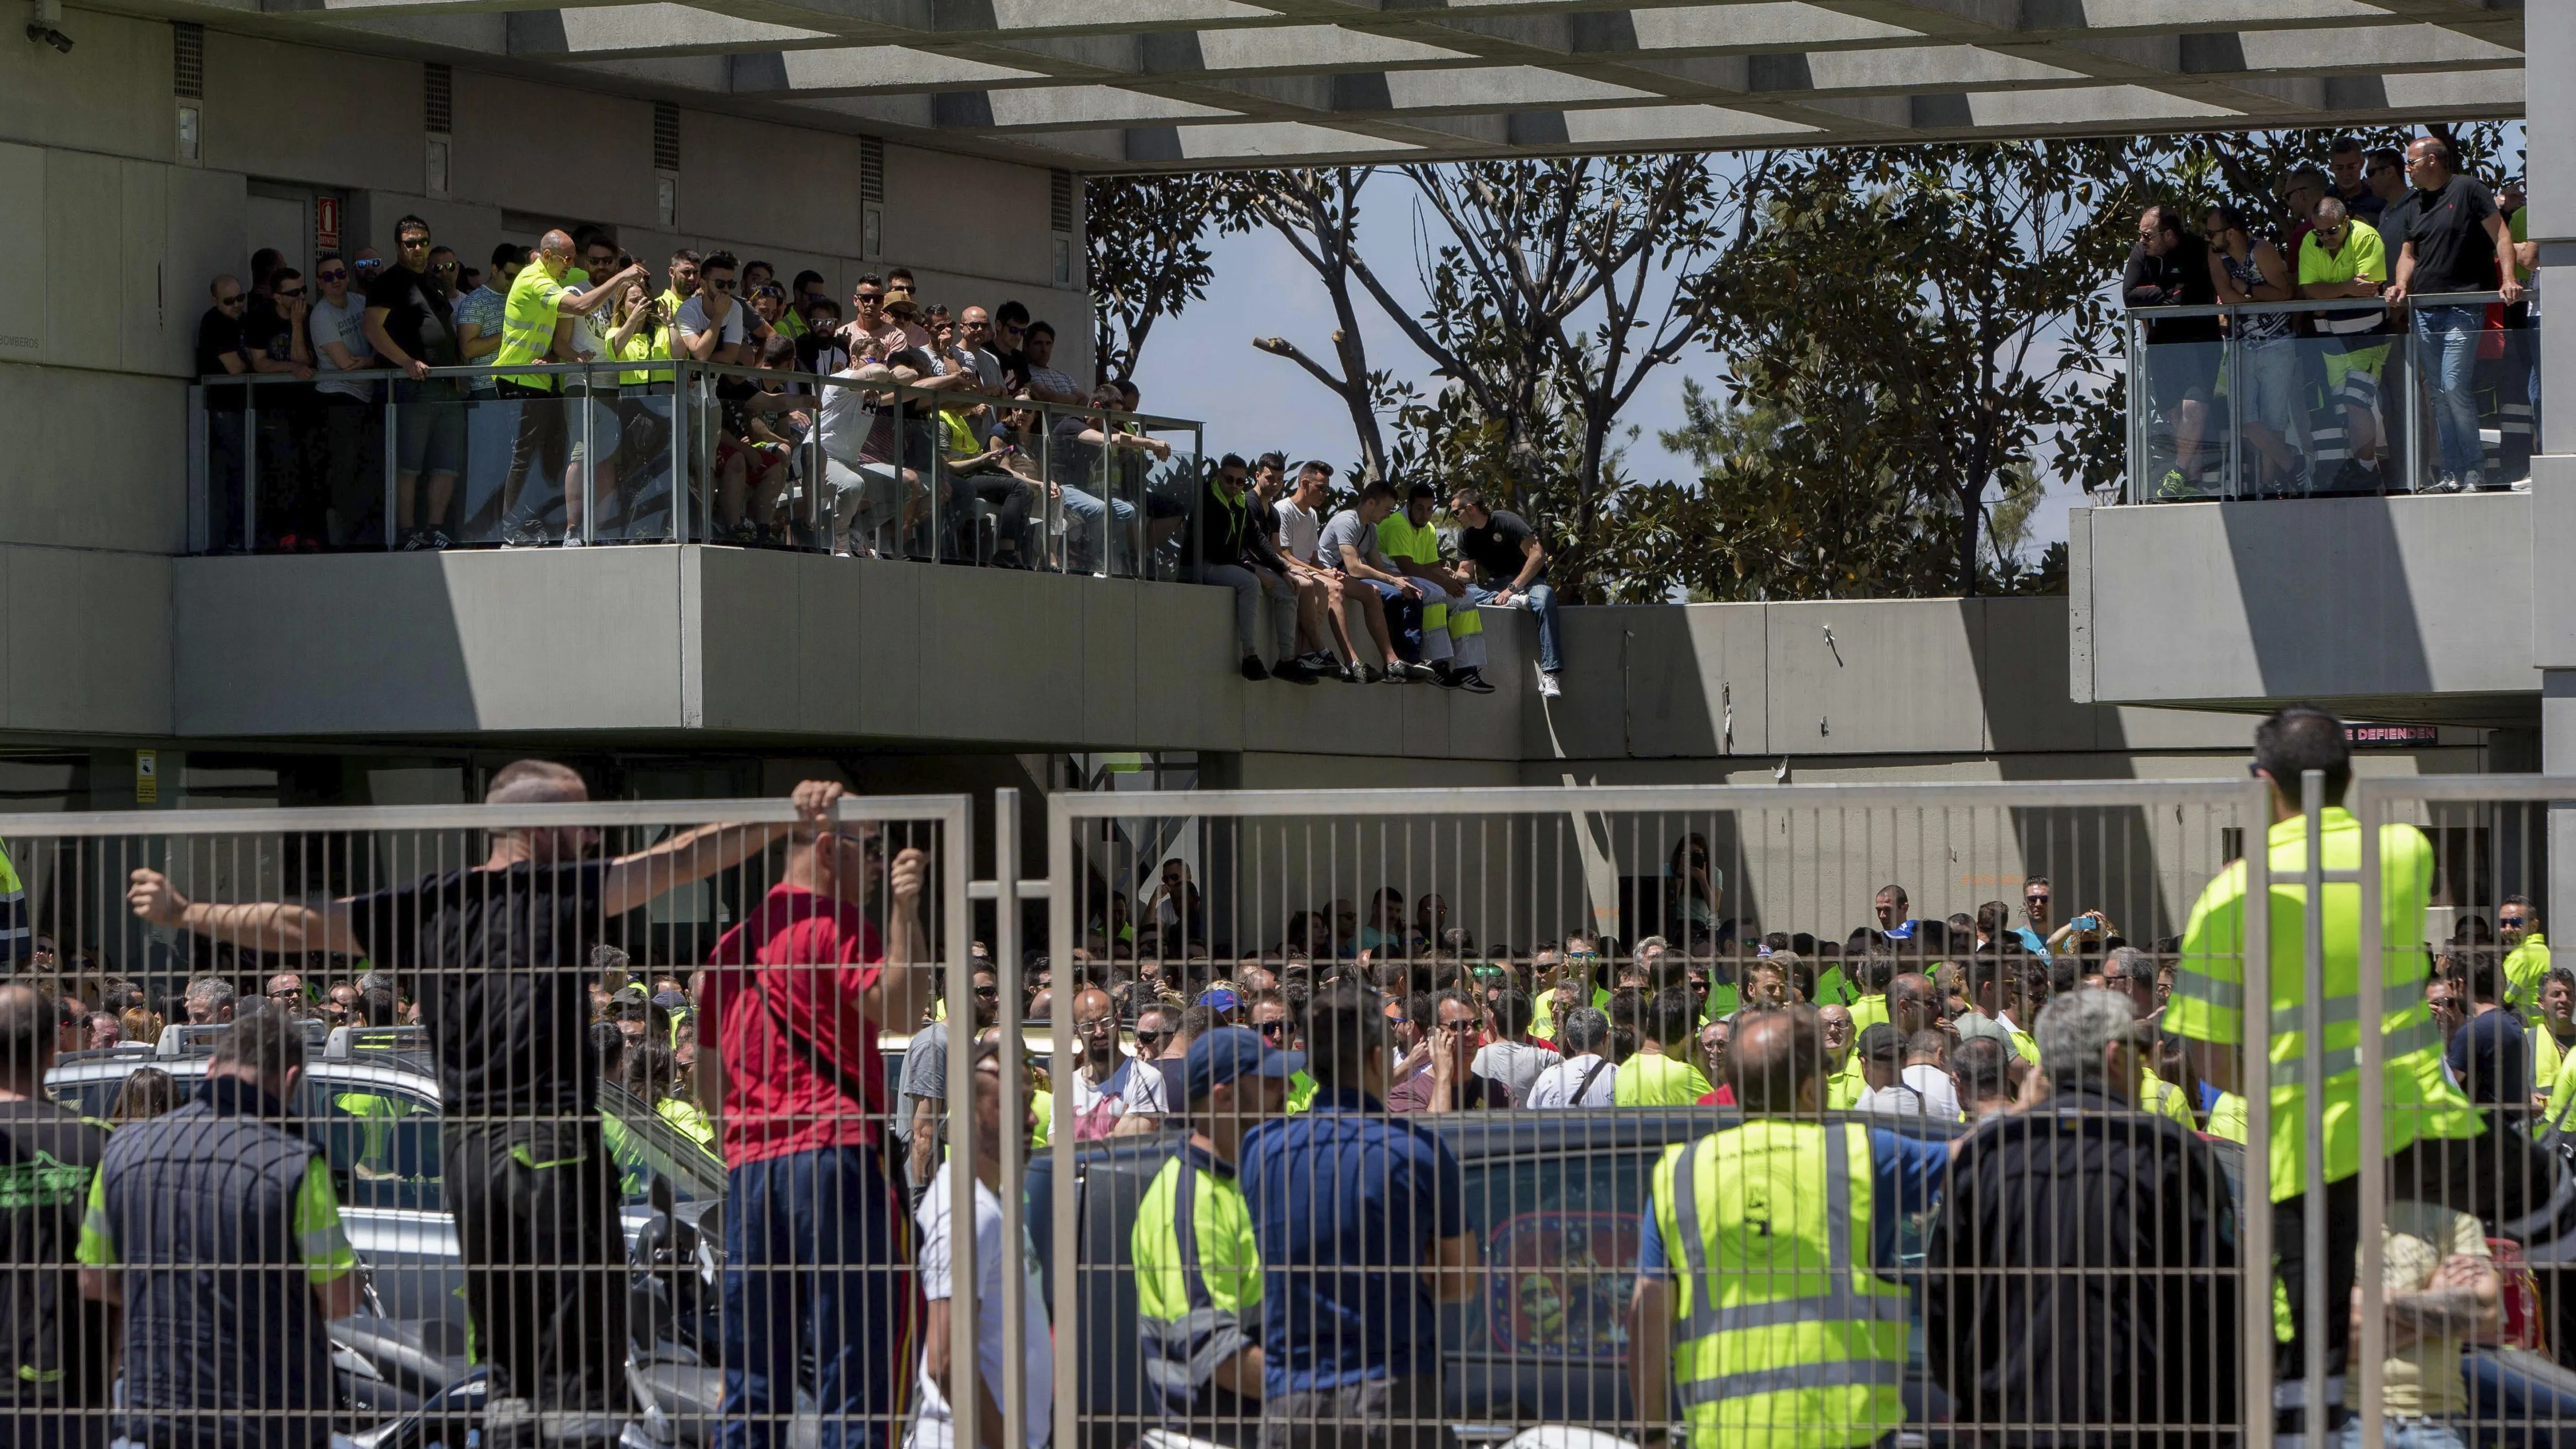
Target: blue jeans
(2450, 364)
(1088, 538)
(1539, 599)
(819, 1254)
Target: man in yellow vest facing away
(1765, 1308)
(2208, 1011)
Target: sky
(1201, 364)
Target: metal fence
(491, 1199)
(1513, 1009)
(2317, 399)
(656, 451)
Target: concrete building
(160, 143)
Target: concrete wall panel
(1106, 698)
(300, 113)
(85, 242)
(1866, 677)
(2324, 598)
(1186, 685)
(889, 645)
(25, 236)
(552, 151)
(111, 94)
(93, 460)
(88, 641)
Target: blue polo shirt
(1347, 1203)
(1906, 1174)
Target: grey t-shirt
(925, 1068)
(1347, 529)
(342, 324)
(1515, 1064)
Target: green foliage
(1148, 259)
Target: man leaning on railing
(498, 957)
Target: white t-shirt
(1085, 1096)
(932, 1422)
(1926, 1091)
(1297, 530)
(1515, 1064)
(1556, 1087)
(341, 324)
(693, 321)
(1149, 1089)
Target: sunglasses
(412, 243)
(229, 301)
(289, 295)
(1150, 1038)
(989, 993)
(333, 276)
(721, 284)
(1271, 1029)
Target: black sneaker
(1346, 674)
(1252, 668)
(1472, 681)
(1291, 671)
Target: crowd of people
(1024, 476)
(2000, 1070)
(2376, 229)
(351, 352)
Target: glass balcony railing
(2331, 398)
(685, 452)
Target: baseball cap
(672, 1001)
(1229, 1052)
(1221, 998)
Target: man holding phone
(1438, 1075)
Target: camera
(42, 33)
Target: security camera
(46, 34)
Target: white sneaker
(2473, 481)
(1548, 688)
(2446, 483)
(573, 540)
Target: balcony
(2329, 399)
(678, 452)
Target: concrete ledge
(2400, 608)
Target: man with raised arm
(498, 958)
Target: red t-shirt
(1724, 1096)
(774, 1103)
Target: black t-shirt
(2179, 278)
(2448, 229)
(416, 316)
(1498, 547)
(2492, 1058)
(48, 1153)
(219, 337)
(499, 961)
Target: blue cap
(1222, 998)
(1229, 1052)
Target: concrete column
(2550, 126)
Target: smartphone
(2087, 922)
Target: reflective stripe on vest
(1838, 1301)
(1818, 1366)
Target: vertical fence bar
(2370, 1346)
(1014, 1144)
(683, 458)
(393, 422)
(2254, 1267)
(250, 468)
(2312, 1126)
(1062, 923)
(2232, 367)
(965, 1376)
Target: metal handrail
(2314, 304)
(680, 369)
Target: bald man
(1096, 1106)
(538, 302)
(1913, 1005)
(1760, 1202)
(498, 957)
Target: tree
(1148, 259)
(1962, 323)
(1317, 212)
